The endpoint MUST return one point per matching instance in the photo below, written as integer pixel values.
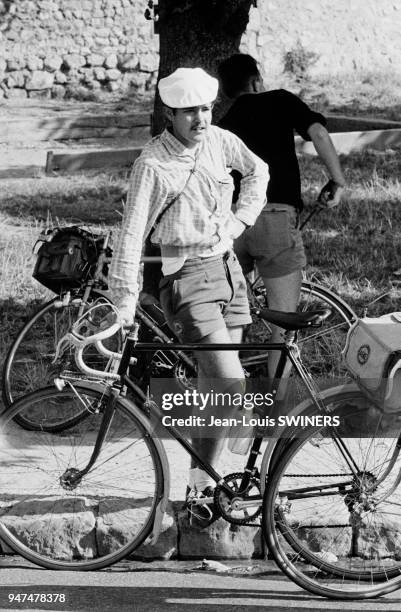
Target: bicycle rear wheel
(320, 347)
(29, 363)
(61, 523)
(333, 524)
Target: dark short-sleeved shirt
(266, 123)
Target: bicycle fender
(332, 295)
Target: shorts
(274, 243)
(205, 295)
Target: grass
(367, 94)
(353, 249)
(29, 206)
(356, 248)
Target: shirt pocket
(226, 189)
(222, 188)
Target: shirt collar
(176, 147)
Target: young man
(203, 291)
(265, 121)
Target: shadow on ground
(161, 597)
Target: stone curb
(177, 539)
(101, 528)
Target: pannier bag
(66, 258)
(372, 355)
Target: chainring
(183, 376)
(225, 506)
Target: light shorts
(274, 243)
(205, 295)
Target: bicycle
(29, 362)
(108, 463)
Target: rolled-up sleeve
(145, 189)
(255, 177)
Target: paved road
(175, 586)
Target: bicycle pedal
(200, 501)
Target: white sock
(199, 479)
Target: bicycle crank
(244, 505)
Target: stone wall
(323, 37)
(53, 47)
(58, 47)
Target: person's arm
(255, 177)
(310, 125)
(327, 153)
(145, 187)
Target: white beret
(187, 87)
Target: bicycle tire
(359, 403)
(316, 543)
(28, 365)
(321, 348)
(101, 518)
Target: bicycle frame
(288, 353)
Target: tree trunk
(198, 33)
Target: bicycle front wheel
(332, 508)
(29, 363)
(59, 520)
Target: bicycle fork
(72, 476)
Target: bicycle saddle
(295, 320)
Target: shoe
(201, 509)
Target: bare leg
(282, 294)
(212, 365)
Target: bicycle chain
(315, 475)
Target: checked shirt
(201, 218)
